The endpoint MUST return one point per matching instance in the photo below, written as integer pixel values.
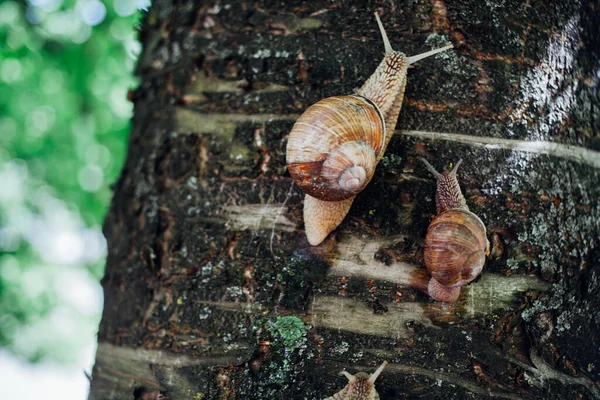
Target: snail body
(360, 386)
(456, 243)
(336, 144)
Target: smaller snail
(456, 242)
(360, 386)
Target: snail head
(448, 194)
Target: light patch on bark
(258, 216)
(291, 24)
(493, 292)
(355, 316)
(116, 355)
(188, 121)
(212, 84)
(548, 87)
(120, 370)
(204, 84)
(356, 257)
(490, 292)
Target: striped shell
(455, 247)
(333, 148)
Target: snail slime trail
(336, 143)
(456, 243)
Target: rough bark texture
(211, 290)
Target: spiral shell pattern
(334, 147)
(455, 247)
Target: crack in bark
(451, 379)
(542, 371)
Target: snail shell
(456, 243)
(455, 247)
(335, 146)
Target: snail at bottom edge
(360, 386)
(456, 243)
(336, 143)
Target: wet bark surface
(211, 289)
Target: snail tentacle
(386, 41)
(377, 372)
(431, 169)
(413, 59)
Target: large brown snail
(336, 143)
(456, 243)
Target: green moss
(290, 330)
(288, 341)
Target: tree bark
(213, 292)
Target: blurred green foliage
(65, 69)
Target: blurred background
(65, 69)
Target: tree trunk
(211, 289)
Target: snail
(336, 143)
(456, 243)
(360, 386)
